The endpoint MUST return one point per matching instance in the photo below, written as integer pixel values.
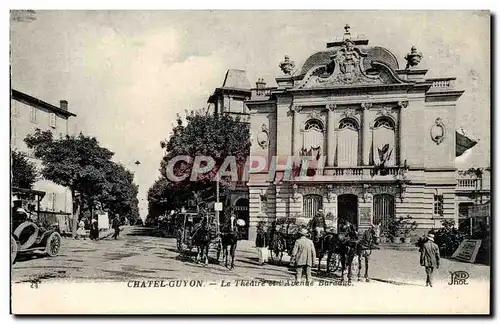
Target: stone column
(365, 133)
(402, 120)
(296, 130)
(330, 140)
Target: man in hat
(429, 258)
(19, 214)
(317, 225)
(303, 256)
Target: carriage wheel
(334, 264)
(14, 248)
(53, 244)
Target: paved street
(139, 254)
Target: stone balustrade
(262, 92)
(442, 83)
(359, 173)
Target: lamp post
(217, 199)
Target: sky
(126, 74)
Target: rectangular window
(33, 114)
(438, 205)
(52, 120)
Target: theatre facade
(382, 134)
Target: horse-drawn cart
(30, 233)
(186, 225)
(284, 232)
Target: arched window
(313, 124)
(348, 123)
(383, 210)
(347, 143)
(313, 138)
(384, 121)
(312, 203)
(384, 139)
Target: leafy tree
(24, 172)
(119, 194)
(76, 162)
(216, 136)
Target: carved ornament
(438, 131)
(263, 136)
(314, 114)
(403, 103)
(331, 107)
(366, 105)
(287, 65)
(413, 58)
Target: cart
(184, 224)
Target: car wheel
(53, 244)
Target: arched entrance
(241, 210)
(347, 207)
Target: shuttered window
(312, 203)
(383, 210)
(52, 120)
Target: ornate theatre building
(382, 134)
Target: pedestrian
(261, 243)
(429, 258)
(303, 256)
(94, 229)
(80, 232)
(116, 226)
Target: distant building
(27, 114)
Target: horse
(229, 237)
(201, 239)
(361, 248)
(330, 244)
(229, 240)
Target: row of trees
(216, 136)
(82, 165)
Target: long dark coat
(429, 254)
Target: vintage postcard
(250, 162)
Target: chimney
(63, 104)
(260, 83)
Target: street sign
(467, 251)
(218, 206)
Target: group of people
(303, 256)
(94, 228)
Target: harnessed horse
(201, 239)
(229, 238)
(361, 248)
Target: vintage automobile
(30, 234)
